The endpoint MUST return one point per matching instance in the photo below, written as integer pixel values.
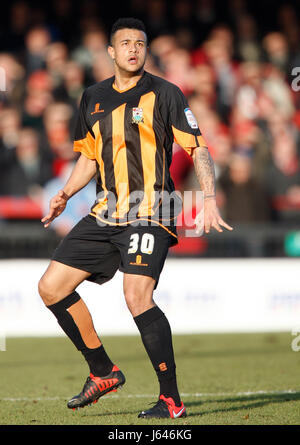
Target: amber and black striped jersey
(130, 134)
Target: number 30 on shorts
(147, 243)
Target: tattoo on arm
(204, 167)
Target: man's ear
(111, 52)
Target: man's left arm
(204, 167)
(186, 132)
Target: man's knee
(138, 301)
(138, 292)
(59, 281)
(51, 291)
(47, 291)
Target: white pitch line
(146, 396)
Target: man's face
(129, 49)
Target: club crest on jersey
(137, 115)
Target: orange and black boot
(96, 387)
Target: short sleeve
(182, 121)
(84, 139)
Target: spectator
(283, 176)
(277, 89)
(288, 20)
(205, 84)
(102, 67)
(37, 40)
(244, 199)
(14, 80)
(72, 86)
(10, 124)
(219, 52)
(249, 92)
(248, 48)
(93, 45)
(162, 47)
(277, 51)
(56, 58)
(249, 139)
(181, 74)
(27, 171)
(38, 97)
(57, 137)
(211, 126)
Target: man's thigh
(143, 250)
(88, 248)
(60, 280)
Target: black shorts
(103, 250)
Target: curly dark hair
(126, 22)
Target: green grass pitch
(224, 379)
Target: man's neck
(124, 81)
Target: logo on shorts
(138, 261)
(137, 115)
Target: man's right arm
(83, 171)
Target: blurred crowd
(236, 74)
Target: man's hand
(209, 218)
(57, 206)
(83, 171)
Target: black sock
(97, 359)
(157, 339)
